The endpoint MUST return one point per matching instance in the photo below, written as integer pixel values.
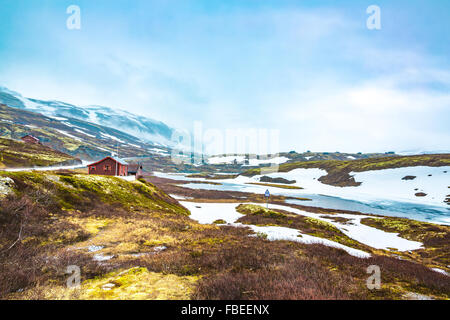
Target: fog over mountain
(146, 129)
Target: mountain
(78, 138)
(421, 151)
(145, 129)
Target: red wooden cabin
(30, 139)
(109, 166)
(135, 170)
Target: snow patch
(282, 233)
(100, 257)
(441, 271)
(108, 136)
(207, 213)
(85, 133)
(354, 229)
(95, 248)
(69, 135)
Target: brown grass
(230, 263)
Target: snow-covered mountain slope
(81, 139)
(146, 129)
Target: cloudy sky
(310, 69)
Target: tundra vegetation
(15, 154)
(338, 172)
(133, 241)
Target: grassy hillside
(132, 241)
(49, 221)
(16, 154)
(338, 171)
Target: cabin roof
(118, 160)
(31, 136)
(134, 167)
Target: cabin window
(107, 168)
(92, 168)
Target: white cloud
(376, 115)
(314, 74)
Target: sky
(310, 70)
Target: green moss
(138, 284)
(435, 238)
(261, 235)
(18, 154)
(118, 191)
(209, 241)
(26, 177)
(322, 224)
(411, 229)
(258, 210)
(72, 191)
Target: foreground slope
(133, 241)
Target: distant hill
(315, 156)
(17, 154)
(338, 171)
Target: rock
(100, 257)
(108, 286)
(6, 185)
(143, 254)
(420, 194)
(276, 180)
(408, 177)
(95, 248)
(160, 248)
(416, 296)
